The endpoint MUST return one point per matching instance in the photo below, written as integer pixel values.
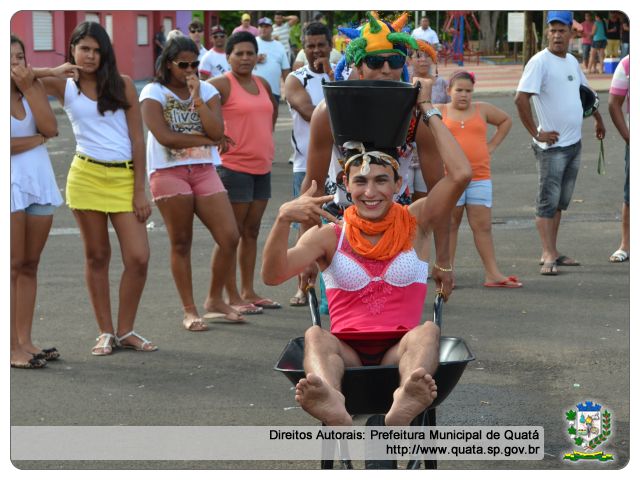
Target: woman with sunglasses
(467, 121)
(184, 120)
(34, 197)
(249, 116)
(106, 179)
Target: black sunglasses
(185, 65)
(376, 62)
(218, 35)
(195, 30)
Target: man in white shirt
(426, 33)
(553, 78)
(195, 33)
(303, 89)
(281, 28)
(273, 63)
(215, 63)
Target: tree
(488, 30)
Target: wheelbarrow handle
(438, 304)
(313, 306)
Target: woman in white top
(34, 196)
(106, 180)
(184, 118)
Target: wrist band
(450, 269)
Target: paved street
(540, 350)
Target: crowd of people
(365, 216)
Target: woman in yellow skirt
(106, 180)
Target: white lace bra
(345, 273)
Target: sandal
(298, 301)
(49, 354)
(248, 309)
(549, 268)
(196, 325)
(267, 303)
(146, 345)
(105, 345)
(31, 364)
(234, 317)
(619, 256)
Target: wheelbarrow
(369, 389)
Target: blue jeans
(558, 169)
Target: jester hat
(378, 36)
(428, 49)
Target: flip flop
(564, 261)
(549, 268)
(267, 303)
(248, 309)
(31, 364)
(298, 301)
(231, 316)
(509, 282)
(196, 325)
(619, 256)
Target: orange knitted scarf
(398, 229)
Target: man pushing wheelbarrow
(375, 278)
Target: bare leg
(548, 232)
(36, 231)
(417, 355)
(248, 249)
(177, 212)
(456, 220)
(479, 218)
(325, 358)
(134, 247)
(217, 215)
(97, 252)
(240, 211)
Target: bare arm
(320, 147)
(273, 101)
(24, 144)
(502, 121)
(154, 120)
(141, 206)
(36, 97)
(210, 113)
(55, 79)
(298, 97)
(617, 116)
(280, 263)
(526, 117)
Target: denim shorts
(478, 192)
(558, 169)
(298, 177)
(45, 210)
(199, 179)
(626, 175)
(598, 44)
(245, 187)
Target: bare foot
(322, 401)
(220, 309)
(192, 320)
(418, 392)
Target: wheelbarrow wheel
(371, 463)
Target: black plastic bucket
(374, 112)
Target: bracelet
(197, 103)
(435, 265)
(428, 100)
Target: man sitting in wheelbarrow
(375, 278)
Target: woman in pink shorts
(185, 123)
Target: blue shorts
(478, 192)
(558, 169)
(298, 177)
(40, 210)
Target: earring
(349, 197)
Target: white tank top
(102, 137)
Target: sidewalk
(504, 78)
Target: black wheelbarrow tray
(370, 389)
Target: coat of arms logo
(590, 427)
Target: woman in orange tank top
(247, 152)
(467, 121)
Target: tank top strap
(339, 234)
(443, 111)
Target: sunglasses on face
(195, 30)
(376, 62)
(185, 65)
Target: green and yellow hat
(378, 36)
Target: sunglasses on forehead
(376, 62)
(185, 65)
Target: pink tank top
(248, 120)
(374, 298)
